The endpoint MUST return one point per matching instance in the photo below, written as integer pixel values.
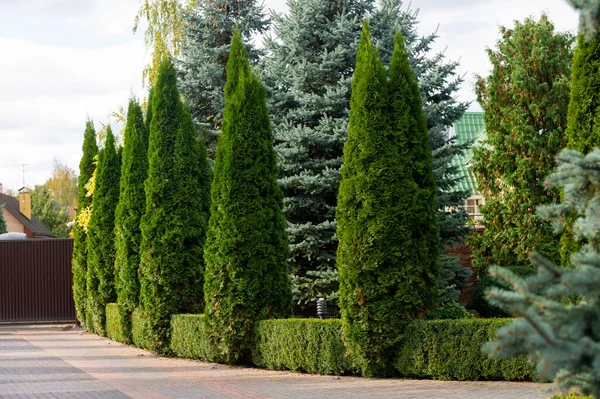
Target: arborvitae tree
(560, 334)
(101, 237)
(246, 249)
(2, 221)
(131, 208)
(525, 100)
(308, 73)
(80, 251)
(174, 224)
(583, 120)
(208, 29)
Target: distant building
(470, 128)
(18, 217)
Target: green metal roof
(470, 128)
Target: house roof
(470, 128)
(37, 228)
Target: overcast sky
(64, 60)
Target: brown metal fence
(35, 281)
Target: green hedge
(140, 329)
(114, 327)
(310, 345)
(189, 338)
(451, 350)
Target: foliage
(207, 31)
(80, 251)
(100, 237)
(63, 186)
(115, 329)
(451, 350)
(129, 212)
(558, 308)
(310, 345)
(174, 225)
(246, 248)
(316, 41)
(525, 100)
(387, 226)
(49, 211)
(140, 329)
(451, 310)
(189, 337)
(2, 220)
(589, 21)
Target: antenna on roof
(24, 173)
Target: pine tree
(209, 27)
(2, 221)
(315, 46)
(80, 250)
(131, 207)
(583, 120)
(558, 333)
(100, 236)
(525, 100)
(246, 248)
(387, 226)
(174, 224)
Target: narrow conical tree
(173, 226)
(100, 236)
(80, 252)
(131, 207)
(246, 248)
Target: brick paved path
(50, 363)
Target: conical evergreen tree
(208, 29)
(246, 247)
(174, 224)
(525, 108)
(2, 221)
(131, 207)
(100, 236)
(80, 251)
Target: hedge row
(114, 327)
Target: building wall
(12, 223)
(472, 206)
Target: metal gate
(35, 281)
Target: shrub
(450, 310)
(189, 339)
(451, 350)
(310, 345)
(140, 330)
(114, 327)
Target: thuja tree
(100, 236)
(131, 207)
(2, 220)
(174, 224)
(387, 226)
(560, 334)
(316, 41)
(80, 251)
(246, 248)
(208, 29)
(525, 100)
(583, 120)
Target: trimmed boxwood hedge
(189, 338)
(140, 329)
(451, 350)
(310, 345)
(114, 327)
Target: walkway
(51, 363)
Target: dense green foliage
(131, 207)
(525, 100)
(310, 345)
(100, 237)
(316, 41)
(49, 212)
(451, 350)
(201, 67)
(174, 224)
(115, 329)
(2, 221)
(140, 330)
(387, 225)
(189, 338)
(80, 251)
(558, 309)
(246, 248)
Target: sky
(62, 61)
